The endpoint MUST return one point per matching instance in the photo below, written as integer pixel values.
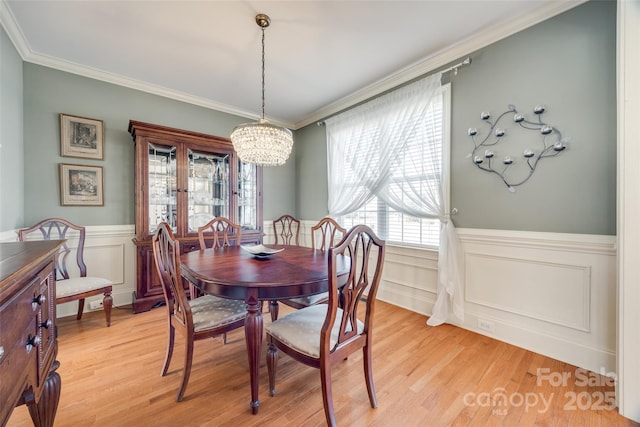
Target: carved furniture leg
(273, 310)
(253, 336)
(44, 411)
(107, 303)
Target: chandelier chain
(263, 72)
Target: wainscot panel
(551, 293)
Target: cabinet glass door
(247, 196)
(208, 187)
(162, 186)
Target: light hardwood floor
(423, 376)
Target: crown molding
(18, 39)
(444, 57)
(426, 65)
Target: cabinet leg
(44, 411)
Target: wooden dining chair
(69, 288)
(286, 230)
(323, 335)
(196, 319)
(323, 235)
(223, 232)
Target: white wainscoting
(551, 293)
(109, 252)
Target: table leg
(253, 336)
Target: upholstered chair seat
(80, 285)
(211, 312)
(301, 329)
(69, 288)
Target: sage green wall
(11, 146)
(49, 92)
(566, 63)
(311, 169)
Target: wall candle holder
(551, 144)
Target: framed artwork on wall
(81, 137)
(81, 185)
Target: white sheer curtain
(372, 153)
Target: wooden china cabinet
(187, 178)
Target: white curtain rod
(453, 68)
(467, 61)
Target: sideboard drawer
(28, 345)
(19, 312)
(18, 366)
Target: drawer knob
(1, 351)
(39, 300)
(46, 324)
(32, 341)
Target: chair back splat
(72, 282)
(223, 232)
(325, 334)
(325, 233)
(286, 230)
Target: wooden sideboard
(28, 337)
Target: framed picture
(81, 137)
(81, 185)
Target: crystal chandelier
(261, 142)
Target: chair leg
(272, 362)
(107, 303)
(167, 357)
(327, 398)
(80, 308)
(368, 375)
(193, 291)
(188, 361)
(273, 310)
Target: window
(394, 226)
(395, 209)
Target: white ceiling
(320, 55)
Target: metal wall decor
(514, 170)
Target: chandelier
(261, 142)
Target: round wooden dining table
(234, 273)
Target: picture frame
(81, 137)
(81, 185)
